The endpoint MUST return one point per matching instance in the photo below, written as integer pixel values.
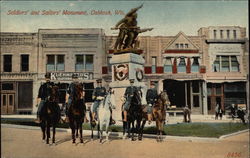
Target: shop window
(7, 86)
(225, 63)
(153, 65)
(7, 63)
(209, 89)
(182, 65)
(218, 89)
(195, 65)
(209, 103)
(196, 101)
(55, 62)
(234, 64)
(4, 99)
(24, 62)
(195, 86)
(167, 65)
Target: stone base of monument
(125, 67)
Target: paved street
(26, 143)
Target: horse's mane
(54, 97)
(79, 91)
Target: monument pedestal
(125, 67)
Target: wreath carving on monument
(139, 74)
(121, 72)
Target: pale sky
(166, 17)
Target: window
(153, 64)
(186, 45)
(215, 34)
(60, 63)
(24, 62)
(195, 65)
(181, 46)
(84, 62)
(217, 64)
(234, 32)
(225, 63)
(177, 45)
(7, 86)
(196, 86)
(228, 34)
(182, 65)
(55, 62)
(89, 62)
(234, 64)
(109, 65)
(7, 63)
(221, 34)
(167, 65)
(196, 101)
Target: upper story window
(24, 62)
(84, 62)
(234, 33)
(215, 34)
(228, 34)
(226, 64)
(195, 65)
(154, 61)
(182, 65)
(177, 45)
(221, 34)
(55, 63)
(181, 45)
(7, 63)
(167, 65)
(186, 45)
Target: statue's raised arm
(133, 10)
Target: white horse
(104, 113)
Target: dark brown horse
(159, 113)
(77, 112)
(50, 114)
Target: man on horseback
(151, 98)
(43, 95)
(71, 94)
(129, 93)
(98, 95)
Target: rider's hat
(152, 84)
(99, 80)
(132, 80)
(74, 76)
(47, 75)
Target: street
(27, 143)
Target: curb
(233, 134)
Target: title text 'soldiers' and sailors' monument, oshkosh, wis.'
(198, 71)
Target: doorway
(7, 103)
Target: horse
(103, 115)
(159, 113)
(76, 113)
(136, 113)
(50, 115)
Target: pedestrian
(216, 111)
(220, 112)
(233, 108)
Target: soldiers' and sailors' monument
(126, 62)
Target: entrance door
(7, 103)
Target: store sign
(68, 75)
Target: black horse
(136, 113)
(50, 115)
(76, 113)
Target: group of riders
(98, 95)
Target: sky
(166, 17)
